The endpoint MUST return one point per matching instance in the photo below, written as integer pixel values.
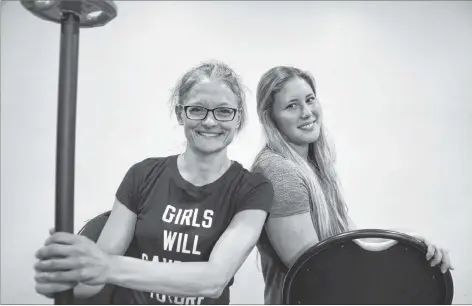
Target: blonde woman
(297, 159)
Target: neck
(201, 168)
(302, 150)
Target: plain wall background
(395, 80)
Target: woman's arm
(291, 236)
(203, 279)
(85, 262)
(114, 239)
(289, 227)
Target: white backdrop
(394, 79)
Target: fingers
(431, 250)
(55, 250)
(48, 289)
(56, 264)
(437, 257)
(59, 277)
(64, 238)
(446, 262)
(441, 257)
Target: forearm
(188, 279)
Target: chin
(315, 137)
(208, 149)
(307, 139)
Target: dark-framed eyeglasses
(223, 114)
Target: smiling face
(209, 135)
(297, 113)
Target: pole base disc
(92, 13)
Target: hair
(329, 211)
(211, 71)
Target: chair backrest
(339, 271)
(92, 230)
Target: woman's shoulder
(152, 162)
(248, 177)
(290, 190)
(269, 162)
(150, 166)
(251, 190)
(280, 171)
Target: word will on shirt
(181, 243)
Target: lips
(208, 134)
(307, 125)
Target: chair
(344, 270)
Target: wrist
(111, 271)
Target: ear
(238, 123)
(179, 113)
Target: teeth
(307, 126)
(208, 134)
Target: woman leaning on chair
(299, 162)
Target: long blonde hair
(329, 211)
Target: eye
(196, 110)
(310, 100)
(292, 105)
(225, 111)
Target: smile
(308, 126)
(209, 134)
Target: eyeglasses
(200, 112)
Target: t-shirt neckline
(210, 186)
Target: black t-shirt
(178, 221)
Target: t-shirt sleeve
(128, 190)
(291, 195)
(258, 194)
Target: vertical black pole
(66, 123)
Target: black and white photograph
(236, 152)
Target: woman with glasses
(299, 162)
(190, 219)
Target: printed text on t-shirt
(181, 242)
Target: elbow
(216, 291)
(216, 286)
(289, 263)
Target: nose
(306, 111)
(210, 120)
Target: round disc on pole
(92, 13)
